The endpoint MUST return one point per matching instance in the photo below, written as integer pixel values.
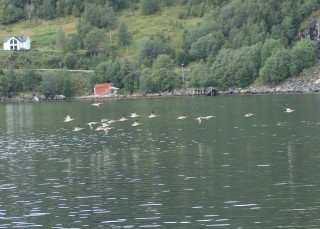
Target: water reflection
(19, 117)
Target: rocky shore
(307, 82)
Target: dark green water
(229, 171)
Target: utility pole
(182, 73)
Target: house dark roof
(19, 38)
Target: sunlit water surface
(227, 172)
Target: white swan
(204, 117)
(123, 118)
(104, 128)
(91, 123)
(136, 123)
(289, 110)
(133, 115)
(96, 104)
(181, 117)
(67, 119)
(111, 121)
(77, 128)
(248, 115)
(199, 120)
(208, 117)
(152, 115)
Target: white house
(16, 43)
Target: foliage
(149, 6)
(303, 55)
(100, 16)
(276, 68)
(47, 10)
(147, 84)
(122, 73)
(165, 79)
(94, 41)
(151, 48)
(206, 45)
(123, 35)
(9, 13)
(199, 76)
(284, 63)
(56, 83)
(242, 67)
(268, 48)
(83, 28)
(30, 80)
(10, 84)
(70, 60)
(130, 76)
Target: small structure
(105, 89)
(17, 43)
(210, 91)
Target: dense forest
(235, 43)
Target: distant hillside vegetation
(156, 45)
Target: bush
(149, 6)
(276, 68)
(235, 67)
(56, 83)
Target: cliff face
(312, 32)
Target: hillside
(44, 33)
(155, 46)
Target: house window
(13, 41)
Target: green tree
(30, 80)
(49, 84)
(60, 8)
(206, 45)
(235, 68)
(268, 48)
(56, 83)
(303, 55)
(83, 28)
(146, 81)
(100, 16)
(10, 84)
(123, 35)
(65, 81)
(150, 48)
(149, 6)
(70, 60)
(198, 76)
(164, 77)
(103, 72)
(47, 10)
(276, 68)
(130, 75)
(9, 13)
(94, 41)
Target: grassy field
(166, 22)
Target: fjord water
(227, 172)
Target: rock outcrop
(312, 31)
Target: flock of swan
(105, 124)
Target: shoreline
(176, 93)
(306, 83)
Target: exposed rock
(312, 31)
(59, 97)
